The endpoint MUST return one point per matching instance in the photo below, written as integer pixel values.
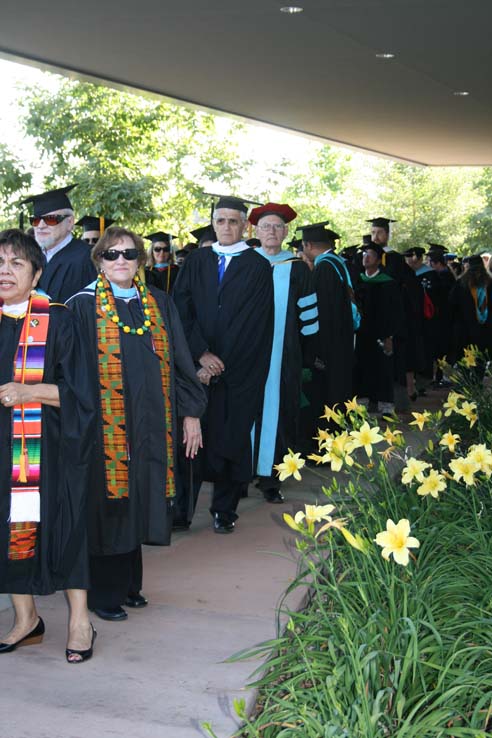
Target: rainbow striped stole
(26, 432)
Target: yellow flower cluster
(478, 460)
(456, 403)
(470, 355)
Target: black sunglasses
(49, 220)
(113, 254)
(158, 249)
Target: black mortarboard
(232, 203)
(437, 247)
(94, 223)
(380, 222)
(160, 236)
(374, 247)
(349, 251)
(204, 233)
(414, 251)
(473, 261)
(49, 201)
(296, 244)
(254, 243)
(366, 238)
(317, 233)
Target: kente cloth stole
(26, 433)
(116, 449)
(481, 304)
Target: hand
(204, 376)
(388, 346)
(211, 363)
(192, 436)
(14, 393)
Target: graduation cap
(295, 244)
(414, 251)
(349, 251)
(254, 243)
(94, 223)
(160, 236)
(317, 233)
(473, 261)
(373, 247)
(366, 238)
(272, 208)
(49, 201)
(381, 222)
(231, 202)
(437, 247)
(204, 233)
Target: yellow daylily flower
(464, 469)
(354, 407)
(310, 515)
(387, 454)
(449, 440)
(323, 435)
(331, 414)
(470, 356)
(452, 403)
(331, 524)
(421, 419)
(442, 363)
(294, 522)
(396, 540)
(432, 484)
(290, 466)
(319, 459)
(481, 455)
(356, 541)
(391, 436)
(414, 470)
(366, 437)
(469, 411)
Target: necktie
(222, 261)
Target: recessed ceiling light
(291, 9)
(461, 93)
(385, 55)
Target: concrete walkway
(161, 673)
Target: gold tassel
(23, 466)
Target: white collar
(234, 248)
(15, 310)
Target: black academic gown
(296, 327)
(381, 307)
(163, 279)
(428, 327)
(120, 526)
(233, 320)
(69, 271)
(335, 340)
(61, 560)
(466, 330)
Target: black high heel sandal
(31, 639)
(84, 655)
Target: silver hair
(241, 213)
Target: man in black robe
(68, 260)
(224, 295)
(407, 358)
(332, 373)
(378, 295)
(296, 323)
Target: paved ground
(161, 673)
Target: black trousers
(226, 494)
(113, 578)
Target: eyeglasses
(91, 241)
(49, 220)
(158, 249)
(271, 227)
(114, 254)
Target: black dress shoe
(274, 496)
(83, 655)
(136, 600)
(111, 613)
(221, 525)
(35, 636)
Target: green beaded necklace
(108, 304)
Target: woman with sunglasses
(161, 272)
(143, 379)
(45, 426)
